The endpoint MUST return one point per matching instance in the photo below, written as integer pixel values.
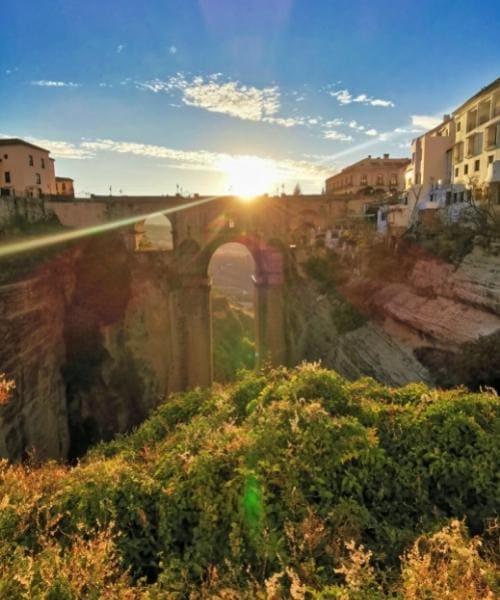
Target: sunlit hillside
(285, 484)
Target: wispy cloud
(120, 48)
(203, 160)
(61, 149)
(215, 95)
(286, 170)
(425, 121)
(287, 121)
(333, 134)
(55, 84)
(355, 125)
(345, 97)
(334, 122)
(172, 50)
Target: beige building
(457, 160)
(428, 178)
(25, 169)
(65, 187)
(379, 174)
(476, 159)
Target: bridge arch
(268, 292)
(232, 271)
(155, 234)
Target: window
(42, 163)
(394, 180)
(63, 187)
(38, 179)
(7, 176)
(496, 106)
(459, 152)
(30, 160)
(478, 143)
(6, 156)
(471, 120)
(483, 112)
(466, 169)
(456, 171)
(476, 165)
(459, 125)
(380, 180)
(363, 180)
(493, 136)
(490, 159)
(474, 144)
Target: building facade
(452, 164)
(383, 175)
(428, 178)
(65, 187)
(25, 169)
(476, 157)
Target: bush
(289, 482)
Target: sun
(248, 176)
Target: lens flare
(68, 236)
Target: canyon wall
(95, 336)
(87, 335)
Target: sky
(223, 96)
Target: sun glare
(248, 177)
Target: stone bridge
(193, 229)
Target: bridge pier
(191, 332)
(270, 321)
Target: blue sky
(145, 96)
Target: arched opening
(305, 228)
(154, 234)
(232, 268)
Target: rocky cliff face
(85, 334)
(422, 307)
(361, 349)
(439, 304)
(32, 350)
(120, 359)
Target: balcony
(483, 112)
(471, 120)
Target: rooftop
(20, 142)
(385, 159)
(487, 88)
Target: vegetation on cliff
(233, 335)
(285, 484)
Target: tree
(480, 211)
(296, 190)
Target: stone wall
(15, 210)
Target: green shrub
(287, 482)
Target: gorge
(95, 335)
